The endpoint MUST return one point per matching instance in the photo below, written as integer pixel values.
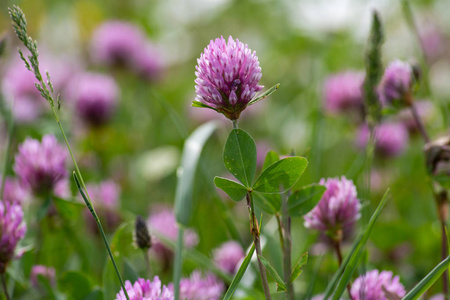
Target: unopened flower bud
(438, 156)
(141, 234)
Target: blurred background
(300, 44)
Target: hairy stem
(4, 287)
(256, 240)
(147, 262)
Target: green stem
(177, 263)
(287, 251)
(147, 262)
(100, 227)
(4, 286)
(235, 125)
(256, 241)
(7, 154)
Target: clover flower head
(14, 192)
(95, 97)
(228, 256)
(373, 284)
(12, 230)
(391, 138)
(396, 83)
(40, 165)
(228, 74)
(47, 272)
(343, 92)
(146, 290)
(338, 210)
(197, 287)
(164, 223)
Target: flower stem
(337, 248)
(287, 251)
(147, 262)
(419, 123)
(256, 240)
(10, 125)
(4, 287)
(441, 199)
(235, 125)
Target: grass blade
(237, 278)
(345, 271)
(428, 280)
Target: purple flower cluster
(12, 230)
(122, 43)
(95, 97)
(164, 222)
(44, 271)
(105, 197)
(146, 290)
(396, 83)
(197, 287)
(227, 77)
(343, 92)
(373, 284)
(41, 165)
(337, 211)
(391, 138)
(228, 256)
(13, 191)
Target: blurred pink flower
(197, 287)
(228, 256)
(146, 290)
(371, 286)
(337, 211)
(13, 229)
(343, 92)
(391, 139)
(40, 165)
(47, 272)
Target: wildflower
(374, 285)
(118, 43)
(19, 90)
(343, 92)
(13, 229)
(337, 211)
(13, 191)
(164, 222)
(391, 138)
(228, 256)
(197, 287)
(20, 93)
(46, 272)
(105, 197)
(41, 165)
(141, 235)
(145, 289)
(95, 97)
(227, 77)
(395, 86)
